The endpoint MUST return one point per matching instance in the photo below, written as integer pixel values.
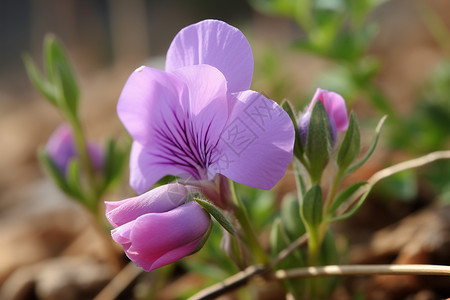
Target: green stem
(81, 146)
(241, 215)
(333, 190)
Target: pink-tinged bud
(61, 149)
(336, 111)
(157, 228)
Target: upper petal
(256, 145)
(150, 97)
(160, 199)
(217, 44)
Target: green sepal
(298, 147)
(371, 149)
(204, 239)
(217, 214)
(318, 141)
(351, 145)
(60, 74)
(343, 196)
(47, 89)
(290, 216)
(311, 208)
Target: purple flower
(61, 149)
(336, 110)
(157, 228)
(198, 118)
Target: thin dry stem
(409, 164)
(359, 270)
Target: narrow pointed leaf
(290, 216)
(53, 171)
(343, 196)
(354, 209)
(318, 141)
(73, 179)
(60, 73)
(298, 147)
(39, 82)
(371, 149)
(217, 214)
(311, 207)
(351, 145)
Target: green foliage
(311, 208)
(318, 142)
(217, 214)
(351, 144)
(298, 147)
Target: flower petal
(208, 102)
(257, 143)
(334, 105)
(160, 199)
(217, 44)
(147, 168)
(156, 235)
(149, 97)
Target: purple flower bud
(336, 110)
(156, 228)
(61, 149)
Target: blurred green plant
(59, 87)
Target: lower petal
(147, 168)
(257, 143)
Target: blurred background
(384, 57)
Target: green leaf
(343, 196)
(290, 216)
(354, 209)
(53, 171)
(318, 141)
(371, 149)
(113, 163)
(217, 214)
(73, 180)
(39, 82)
(60, 74)
(311, 207)
(351, 145)
(298, 147)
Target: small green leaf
(298, 147)
(318, 141)
(311, 207)
(113, 163)
(73, 179)
(354, 209)
(217, 214)
(343, 196)
(371, 149)
(290, 216)
(60, 73)
(279, 241)
(351, 145)
(53, 171)
(39, 82)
